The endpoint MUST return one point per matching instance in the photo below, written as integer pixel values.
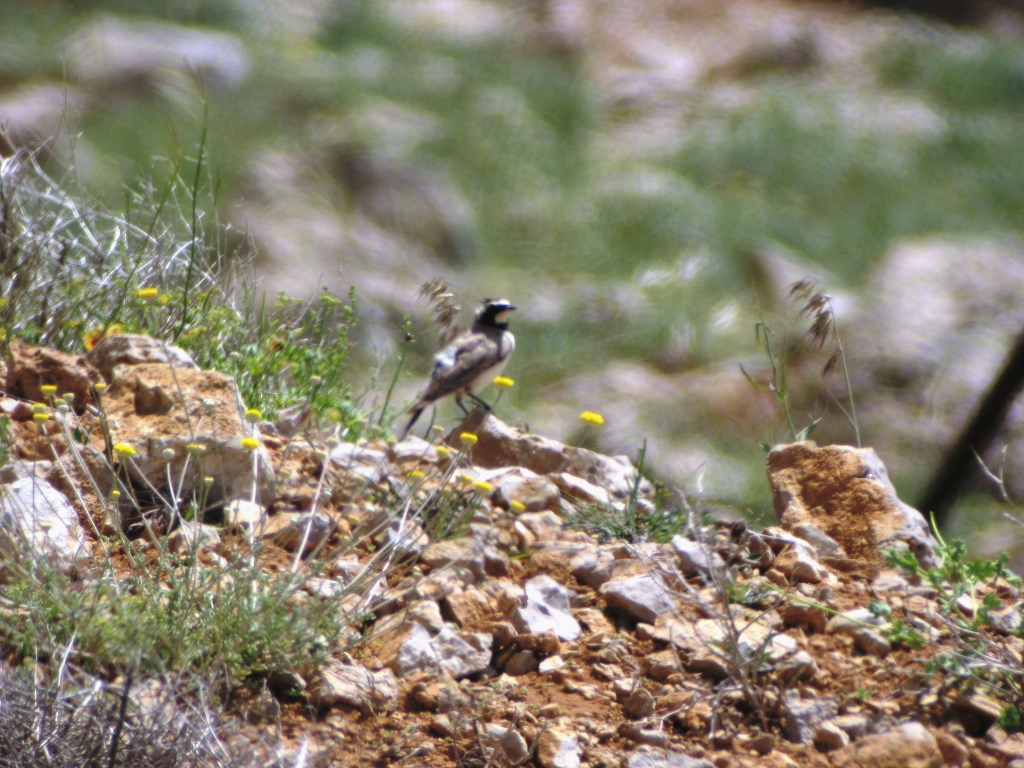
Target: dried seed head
(817, 306)
(830, 365)
(440, 294)
(801, 288)
(821, 327)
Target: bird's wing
(457, 365)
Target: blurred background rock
(644, 179)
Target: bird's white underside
(479, 384)
(445, 359)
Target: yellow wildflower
(123, 449)
(517, 507)
(100, 387)
(503, 382)
(592, 419)
(250, 443)
(465, 479)
(40, 408)
(253, 415)
(196, 449)
(48, 390)
(442, 451)
(91, 338)
(192, 333)
(41, 418)
(468, 439)
(149, 294)
(416, 475)
(482, 486)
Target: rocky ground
(494, 618)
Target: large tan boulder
(499, 445)
(134, 349)
(156, 408)
(846, 493)
(907, 746)
(31, 368)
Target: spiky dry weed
(818, 307)
(86, 723)
(440, 295)
(59, 252)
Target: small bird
(471, 361)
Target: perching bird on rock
(471, 361)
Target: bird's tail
(412, 420)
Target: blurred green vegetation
(513, 124)
(516, 126)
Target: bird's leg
(480, 402)
(458, 402)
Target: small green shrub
(964, 654)
(1011, 719)
(292, 352)
(205, 295)
(173, 617)
(629, 521)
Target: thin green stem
(194, 226)
(398, 370)
(849, 391)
